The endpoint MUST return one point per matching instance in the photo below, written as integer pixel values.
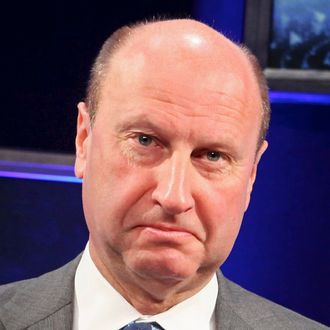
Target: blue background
(283, 250)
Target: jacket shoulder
(254, 312)
(25, 303)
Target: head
(168, 145)
(117, 39)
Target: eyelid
(137, 134)
(204, 151)
(134, 134)
(198, 153)
(222, 156)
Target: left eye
(213, 156)
(145, 140)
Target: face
(168, 166)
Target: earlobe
(253, 174)
(82, 138)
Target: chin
(167, 266)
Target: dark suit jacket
(46, 302)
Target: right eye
(145, 140)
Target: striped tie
(142, 326)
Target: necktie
(142, 326)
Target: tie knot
(142, 326)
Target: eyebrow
(138, 121)
(141, 121)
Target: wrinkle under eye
(145, 140)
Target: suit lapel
(45, 302)
(226, 317)
(61, 319)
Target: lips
(166, 232)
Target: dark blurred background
(47, 48)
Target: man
(168, 144)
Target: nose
(173, 188)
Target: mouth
(162, 232)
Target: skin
(169, 164)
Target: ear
(82, 138)
(253, 173)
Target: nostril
(174, 203)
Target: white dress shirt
(98, 306)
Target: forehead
(187, 73)
(162, 55)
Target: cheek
(112, 186)
(223, 212)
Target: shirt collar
(99, 306)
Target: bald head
(185, 47)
